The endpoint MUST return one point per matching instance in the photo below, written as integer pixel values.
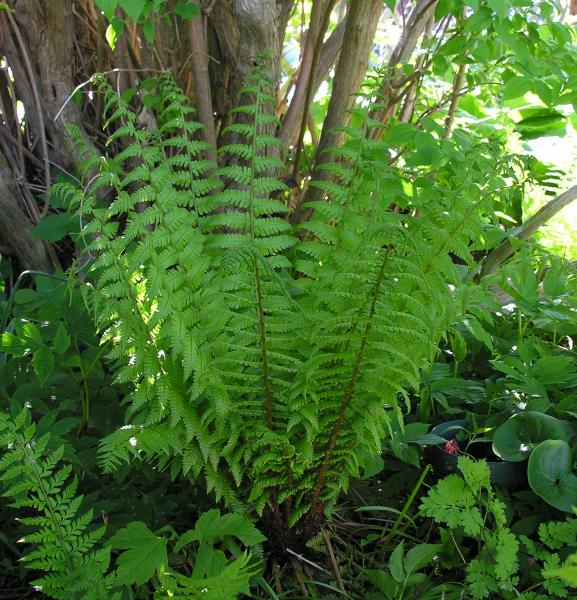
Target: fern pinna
(266, 360)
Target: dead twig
(336, 571)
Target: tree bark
(16, 227)
(360, 30)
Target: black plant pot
(509, 475)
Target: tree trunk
(16, 227)
(361, 26)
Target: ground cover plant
(235, 326)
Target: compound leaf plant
(266, 359)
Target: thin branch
(302, 98)
(456, 94)
(505, 250)
(306, 560)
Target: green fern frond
(64, 545)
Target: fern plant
(64, 546)
(265, 360)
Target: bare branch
(505, 250)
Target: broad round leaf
(549, 474)
(514, 440)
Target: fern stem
(258, 289)
(348, 394)
(263, 347)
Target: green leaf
(396, 563)
(61, 340)
(568, 572)
(383, 582)
(499, 7)
(187, 10)
(518, 435)
(149, 31)
(208, 562)
(400, 133)
(426, 149)
(420, 556)
(555, 282)
(114, 31)
(540, 122)
(144, 553)
(31, 333)
(24, 296)
(107, 7)
(517, 86)
(43, 363)
(458, 346)
(133, 8)
(54, 227)
(211, 526)
(549, 474)
(372, 465)
(478, 332)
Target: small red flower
(452, 447)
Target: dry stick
(9, 87)
(327, 541)
(412, 30)
(42, 132)
(505, 250)
(306, 561)
(303, 73)
(299, 577)
(110, 72)
(25, 151)
(361, 24)
(312, 129)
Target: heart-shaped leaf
(514, 440)
(550, 476)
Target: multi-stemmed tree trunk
(47, 49)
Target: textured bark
(240, 31)
(16, 227)
(199, 63)
(48, 29)
(51, 47)
(360, 30)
